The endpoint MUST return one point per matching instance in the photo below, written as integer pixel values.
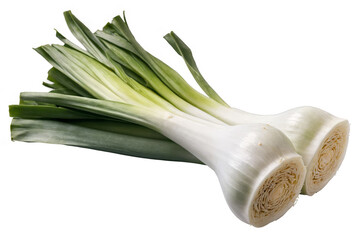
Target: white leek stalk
(259, 171)
(319, 137)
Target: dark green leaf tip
(124, 18)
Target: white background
(261, 56)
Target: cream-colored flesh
(277, 193)
(327, 159)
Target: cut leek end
(328, 158)
(278, 192)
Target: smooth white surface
(261, 56)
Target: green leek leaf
(183, 50)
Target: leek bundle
(116, 97)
